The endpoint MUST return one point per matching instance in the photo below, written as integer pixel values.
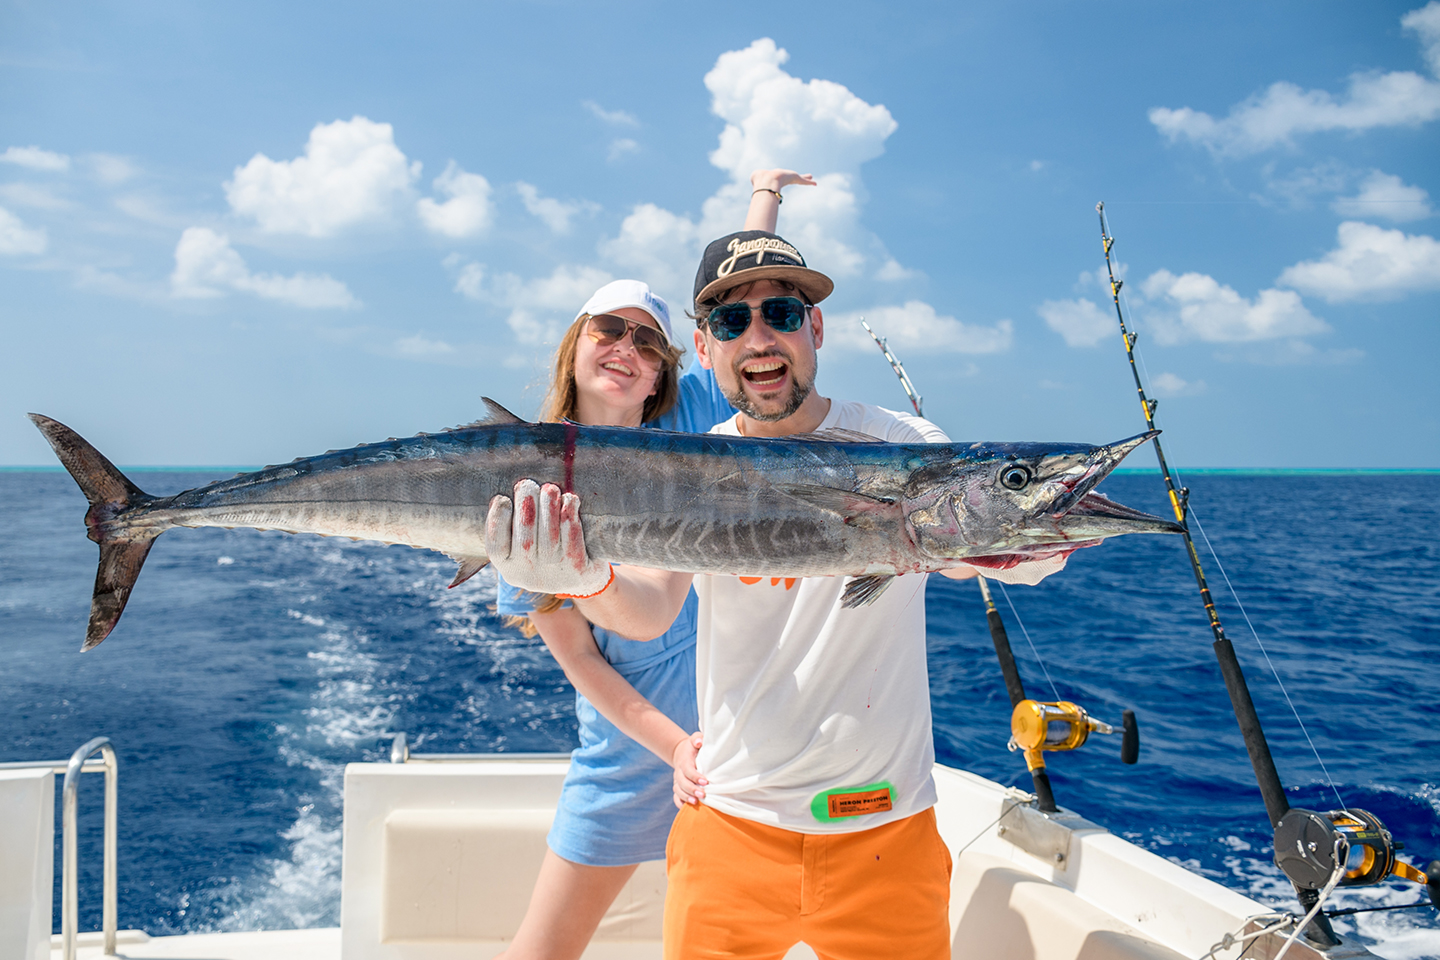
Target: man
(816, 822)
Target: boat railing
(400, 753)
(79, 763)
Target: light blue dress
(615, 806)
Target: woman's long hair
(562, 402)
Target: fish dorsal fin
(835, 435)
(469, 566)
(496, 416)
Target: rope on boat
(1281, 921)
(1335, 878)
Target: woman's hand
(778, 178)
(689, 784)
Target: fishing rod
(899, 368)
(1036, 727)
(1311, 848)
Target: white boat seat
(1009, 913)
(466, 875)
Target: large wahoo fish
(829, 504)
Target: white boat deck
(439, 860)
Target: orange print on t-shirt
(774, 581)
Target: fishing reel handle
(1130, 739)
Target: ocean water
(251, 667)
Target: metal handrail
(70, 882)
(79, 763)
(400, 753)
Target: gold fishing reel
(1037, 726)
(1310, 846)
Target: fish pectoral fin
(835, 435)
(856, 509)
(469, 566)
(496, 416)
(863, 591)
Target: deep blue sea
(251, 667)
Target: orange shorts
(749, 891)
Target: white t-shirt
(817, 719)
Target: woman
(618, 365)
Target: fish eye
(1014, 477)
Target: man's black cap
(752, 255)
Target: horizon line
(1121, 471)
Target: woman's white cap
(629, 293)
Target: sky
(238, 234)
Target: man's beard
(800, 390)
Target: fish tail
(123, 547)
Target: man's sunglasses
(606, 328)
(783, 314)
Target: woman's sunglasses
(783, 314)
(606, 328)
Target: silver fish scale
(678, 501)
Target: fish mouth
(1074, 486)
(1097, 516)
(1086, 515)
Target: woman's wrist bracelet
(778, 198)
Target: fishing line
(986, 829)
(1006, 594)
(1191, 512)
(1268, 662)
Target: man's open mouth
(766, 372)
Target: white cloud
(36, 159)
(1289, 353)
(541, 307)
(1426, 23)
(418, 347)
(916, 328)
(1170, 385)
(616, 118)
(16, 238)
(33, 195)
(891, 271)
(622, 147)
(351, 172)
(1208, 311)
(1385, 195)
(772, 119)
(1284, 111)
(206, 266)
(554, 213)
(1079, 321)
(1369, 261)
(466, 213)
(775, 119)
(470, 281)
(660, 246)
(110, 168)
